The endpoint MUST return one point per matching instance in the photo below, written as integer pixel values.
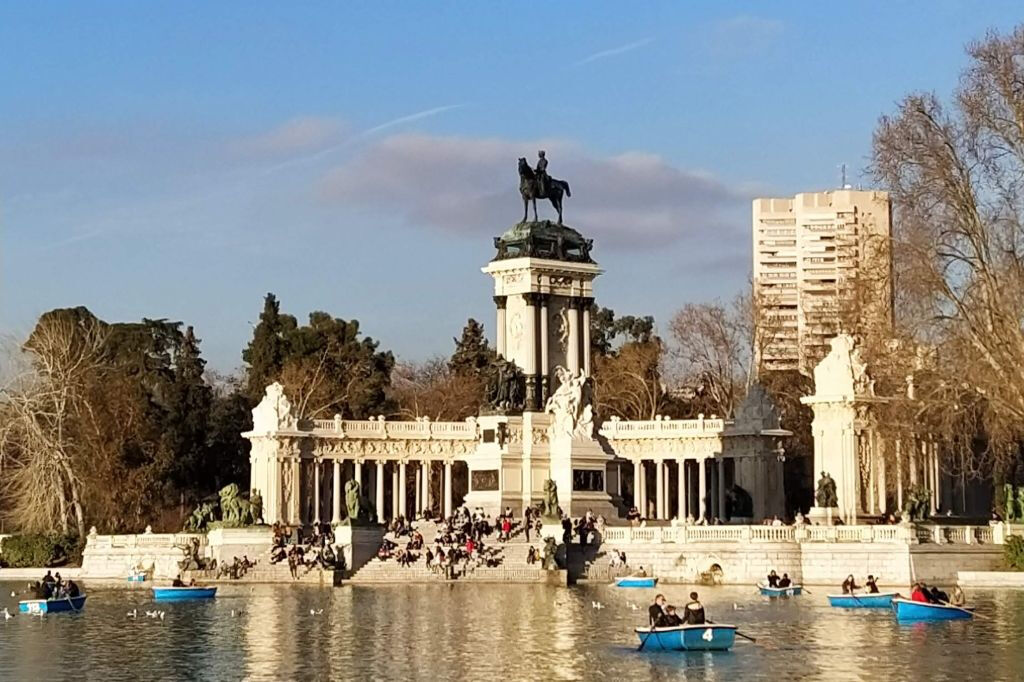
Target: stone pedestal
(823, 516)
(358, 544)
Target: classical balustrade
(753, 534)
(381, 429)
(145, 540)
(662, 428)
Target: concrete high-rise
(822, 265)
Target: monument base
(357, 544)
(823, 516)
(225, 544)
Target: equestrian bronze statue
(538, 184)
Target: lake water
(491, 632)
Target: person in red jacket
(918, 594)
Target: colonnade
(372, 478)
(700, 488)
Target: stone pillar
(357, 473)
(720, 475)
(586, 335)
(572, 353)
(933, 462)
(638, 471)
(426, 486)
(912, 463)
(880, 478)
(702, 488)
(336, 500)
(447, 489)
(545, 372)
(378, 480)
(530, 339)
(868, 451)
(499, 336)
(403, 490)
(316, 490)
(644, 511)
(681, 489)
(394, 490)
(419, 491)
(659, 486)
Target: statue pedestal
(358, 544)
(823, 516)
(224, 544)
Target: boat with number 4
(791, 591)
(876, 600)
(635, 581)
(906, 609)
(707, 637)
(40, 606)
(182, 593)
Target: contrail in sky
(629, 47)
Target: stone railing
(144, 540)
(422, 429)
(662, 428)
(687, 534)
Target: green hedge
(1013, 553)
(39, 550)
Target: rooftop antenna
(842, 177)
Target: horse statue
(201, 516)
(234, 510)
(531, 189)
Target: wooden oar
(960, 608)
(643, 641)
(711, 622)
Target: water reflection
(494, 632)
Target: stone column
(702, 488)
(530, 339)
(357, 473)
(316, 490)
(637, 473)
(394, 490)
(880, 478)
(681, 489)
(912, 463)
(499, 336)
(403, 491)
(447, 489)
(933, 463)
(659, 486)
(419, 491)
(336, 500)
(586, 335)
(572, 354)
(426, 486)
(378, 481)
(720, 475)
(644, 512)
(544, 368)
(868, 444)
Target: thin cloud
(744, 35)
(622, 49)
(419, 115)
(297, 135)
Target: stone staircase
(513, 567)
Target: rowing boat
(906, 609)
(635, 581)
(876, 600)
(707, 637)
(773, 592)
(182, 593)
(40, 606)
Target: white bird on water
(315, 613)
(7, 614)
(152, 614)
(13, 593)
(133, 613)
(597, 605)
(736, 607)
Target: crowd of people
(53, 587)
(933, 595)
(316, 550)
(236, 569)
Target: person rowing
(784, 581)
(657, 610)
(872, 584)
(849, 585)
(670, 619)
(693, 613)
(773, 579)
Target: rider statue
(542, 174)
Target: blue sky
(182, 159)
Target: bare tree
(628, 383)
(956, 174)
(431, 389)
(40, 407)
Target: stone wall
(116, 556)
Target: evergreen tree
(187, 412)
(472, 352)
(268, 349)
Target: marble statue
(550, 549)
(571, 405)
(274, 411)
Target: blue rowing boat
(182, 593)
(877, 600)
(137, 577)
(707, 637)
(905, 609)
(40, 606)
(774, 592)
(635, 581)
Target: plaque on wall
(587, 480)
(488, 435)
(484, 480)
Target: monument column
(644, 511)
(586, 302)
(447, 489)
(720, 473)
(880, 478)
(403, 490)
(637, 473)
(899, 476)
(499, 336)
(681, 489)
(419, 491)
(426, 485)
(357, 472)
(394, 490)
(702, 488)
(545, 390)
(530, 339)
(316, 490)
(659, 503)
(336, 501)
(378, 480)
(572, 354)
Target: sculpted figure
(356, 504)
(550, 548)
(256, 506)
(1009, 503)
(826, 493)
(532, 187)
(1020, 504)
(550, 508)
